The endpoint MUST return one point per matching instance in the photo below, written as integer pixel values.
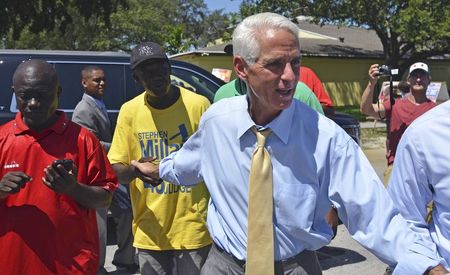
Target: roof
(347, 42)
(328, 40)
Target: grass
(372, 137)
(366, 133)
(370, 133)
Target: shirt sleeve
(119, 151)
(368, 212)
(410, 190)
(183, 167)
(96, 169)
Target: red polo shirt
(308, 77)
(401, 115)
(41, 231)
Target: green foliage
(231, 21)
(81, 34)
(410, 30)
(175, 40)
(142, 20)
(200, 25)
(45, 15)
(352, 110)
(288, 8)
(178, 25)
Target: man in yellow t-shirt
(169, 221)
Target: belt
(241, 263)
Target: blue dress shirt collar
(279, 125)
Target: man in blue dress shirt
(421, 174)
(315, 165)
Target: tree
(287, 8)
(201, 25)
(176, 24)
(216, 25)
(44, 15)
(141, 20)
(80, 34)
(409, 30)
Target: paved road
(343, 255)
(346, 256)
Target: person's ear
(240, 66)
(408, 80)
(83, 83)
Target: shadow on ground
(330, 256)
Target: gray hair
(245, 37)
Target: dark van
(120, 84)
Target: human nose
(33, 102)
(289, 74)
(417, 78)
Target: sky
(227, 5)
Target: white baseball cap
(419, 66)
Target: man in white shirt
(421, 174)
(315, 164)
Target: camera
(384, 70)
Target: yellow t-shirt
(167, 216)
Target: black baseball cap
(146, 51)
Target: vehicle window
(180, 82)
(7, 67)
(69, 75)
(13, 105)
(69, 79)
(195, 82)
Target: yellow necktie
(260, 251)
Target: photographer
(404, 110)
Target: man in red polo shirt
(47, 213)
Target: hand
(12, 182)
(59, 179)
(374, 73)
(332, 217)
(437, 270)
(147, 170)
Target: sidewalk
(110, 249)
(372, 124)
